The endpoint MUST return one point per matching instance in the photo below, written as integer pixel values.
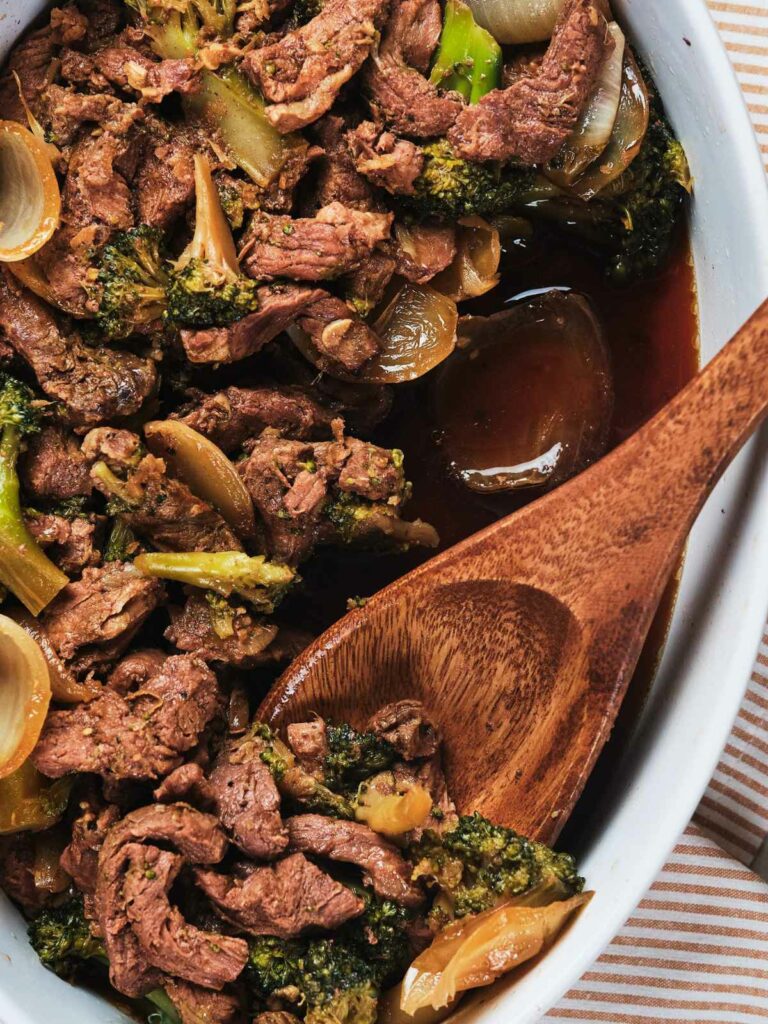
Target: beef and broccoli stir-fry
(230, 232)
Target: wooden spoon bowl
(523, 638)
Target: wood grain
(522, 639)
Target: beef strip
(338, 335)
(17, 873)
(198, 837)
(186, 783)
(69, 543)
(93, 384)
(389, 162)
(336, 178)
(67, 111)
(423, 250)
(138, 737)
(309, 742)
(53, 468)
(233, 416)
(197, 1005)
(383, 866)
(284, 901)
(366, 286)
(105, 19)
(93, 619)
(165, 183)
(407, 726)
(333, 242)
(192, 629)
(531, 119)
(247, 801)
(132, 70)
(279, 307)
(169, 942)
(399, 93)
(136, 669)
(301, 74)
(81, 857)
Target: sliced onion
(393, 809)
(517, 21)
(475, 951)
(64, 687)
(25, 693)
(390, 1012)
(627, 137)
(205, 469)
(28, 802)
(475, 267)
(597, 121)
(30, 202)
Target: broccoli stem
(166, 1012)
(469, 60)
(24, 569)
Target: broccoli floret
(121, 545)
(24, 569)
(379, 937)
(303, 11)
(62, 938)
(177, 29)
(469, 60)
(324, 977)
(450, 187)
(132, 281)
(354, 756)
(206, 286)
(477, 864)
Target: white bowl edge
(724, 595)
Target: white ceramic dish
(724, 595)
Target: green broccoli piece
(379, 937)
(24, 569)
(325, 977)
(477, 864)
(469, 60)
(206, 286)
(177, 29)
(61, 937)
(354, 756)
(121, 544)
(132, 282)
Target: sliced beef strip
(81, 857)
(93, 384)
(279, 306)
(337, 333)
(69, 543)
(165, 183)
(132, 70)
(531, 119)
(196, 835)
(408, 727)
(247, 801)
(285, 901)
(94, 618)
(191, 629)
(301, 74)
(423, 250)
(233, 416)
(197, 1005)
(186, 784)
(309, 742)
(139, 737)
(67, 111)
(387, 161)
(333, 242)
(399, 93)
(169, 942)
(53, 468)
(336, 179)
(17, 873)
(105, 19)
(383, 866)
(136, 669)
(366, 286)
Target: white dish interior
(724, 595)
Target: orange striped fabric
(696, 949)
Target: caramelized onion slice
(30, 202)
(517, 21)
(475, 267)
(205, 469)
(390, 1012)
(29, 801)
(542, 395)
(64, 687)
(25, 693)
(390, 807)
(475, 951)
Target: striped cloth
(696, 949)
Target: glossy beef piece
(338, 335)
(17, 873)
(53, 468)
(139, 737)
(191, 629)
(531, 119)
(247, 802)
(81, 857)
(284, 901)
(186, 784)
(424, 250)
(235, 415)
(197, 836)
(336, 180)
(93, 384)
(66, 111)
(133, 71)
(165, 182)
(69, 543)
(408, 728)
(93, 619)
(197, 1005)
(301, 74)
(169, 942)
(366, 286)
(400, 95)
(279, 306)
(382, 864)
(318, 248)
(387, 161)
(136, 669)
(309, 742)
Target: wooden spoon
(522, 638)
